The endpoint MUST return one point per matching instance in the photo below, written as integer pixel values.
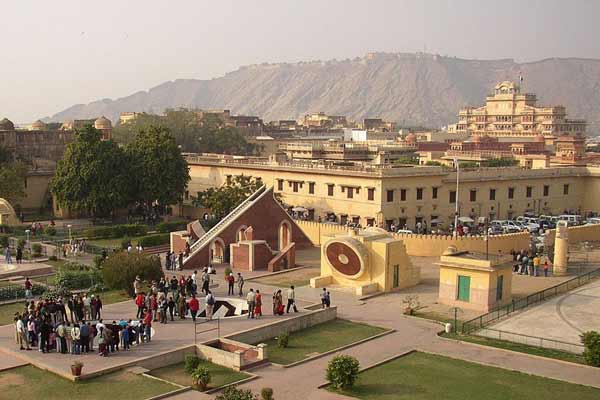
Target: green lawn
(7, 312)
(521, 348)
(31, 383)
(115, 242)
(114, 296)
(320, 339)
(219, 375)
(422, 376)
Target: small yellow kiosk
(369, 261)
(475, 281)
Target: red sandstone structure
(257, 235)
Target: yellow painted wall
(430, 245)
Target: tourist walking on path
(251, 300)
(324, 298)
(230, 283)
(28, 287)
(140, 302)
(181, 307)
(240, 284)
(7, 255)
(258, 304)
(210, 305)
(546, 268)
(137, 285)
(194, 306)
(205, 281)
(278, 303)
(291, 296)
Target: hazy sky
(62, 52)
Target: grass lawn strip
(423, 376)
(518, 347)
(31, 383)
(320, 339)
(7, 312)
(220, 375)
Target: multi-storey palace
(508, 113)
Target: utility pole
(456, 199)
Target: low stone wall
(431, 245)
(583, 233)
(167, 358)
(300, 321)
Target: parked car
(572, 220)
(592, 221)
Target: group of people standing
(529, 263)
(8, 253)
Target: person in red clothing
(154, 306)
(194, 306)
(148, 325)
(230, 281)
(140, 302)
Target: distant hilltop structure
(508, 113)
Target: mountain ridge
(415, 88)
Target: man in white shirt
(21, 338)
(291, 295)
(251, 299)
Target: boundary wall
(432, 245)
(582, 233)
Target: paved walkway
(563, 318)
(301, 382)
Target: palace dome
(38, 126)
(102, 123)
(6, 125)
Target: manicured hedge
(154, 240)
(71, 279)
(171, 226)
(116, 231)
(3, 240)
(120, 269)
(18, 291)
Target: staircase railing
(208, 236)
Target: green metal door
(464, 288)
(396, 281)
(499, 287)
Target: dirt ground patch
(299, 277)
(11, 379)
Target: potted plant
(201, 378)
(412, 304)
(76, 368)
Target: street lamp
(456, 198)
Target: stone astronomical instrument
(347, 257)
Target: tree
(201, 377)
(409, 159)
(207, 134)
(342, 371)
(222, 200)
(12, 178)
(93, 177)
(500, 162)
(159, 171)
(120, 269)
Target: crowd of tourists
(530, 263)
(74, 325)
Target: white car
(531, 224)
(572, 220)
(592, 221)
(507, 226)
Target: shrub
(120, 269)
(233, 393)
(50, 230)
(283, 340)
(98, 260)
(73, 266)
(56, 293)
(72, 279)
(266, 393)
(154, 240)
(171, 226)
(116, 231)
(12, 292)
(342, 371)
(125, 243)
(6, 229)
(53, 258)
(3, 240)
(21, 243)
(591, 354)
(227, 271)
(36, 248)
(201, 377)
(191, 363)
